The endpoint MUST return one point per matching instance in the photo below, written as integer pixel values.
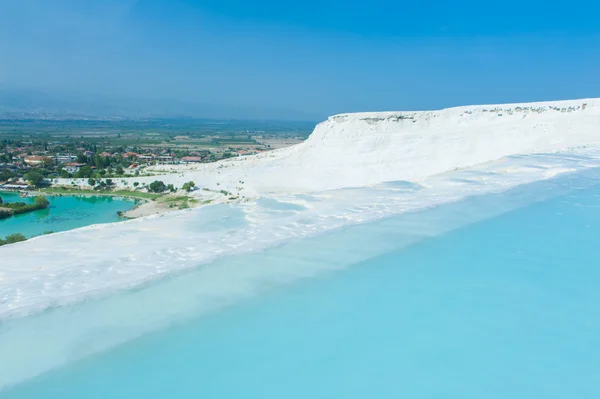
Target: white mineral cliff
(362, 149)
(368, 148)
(354, 150)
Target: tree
(92, 182)
(41, 201)
(84, 172)
(12, 238)
(34, 177)
(47, 162)
(171, 188)
(6, 174)
(4, 215)
(98, 163)
(189, 186)
(157, 186)
(119, 170)
(135, 184)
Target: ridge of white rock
(368, 148)
(363, 149)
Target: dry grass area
(280, 142)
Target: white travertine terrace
(349, 150)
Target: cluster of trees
(101, 162)
(34, 177)
(158, 186)
(6, 175)
(86, 172)
(12, 238)
(17, 237)
(5, 158)
(41, 202)
(17, 208)
(106, 184)
(4, 214)
(189, 186)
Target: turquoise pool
(65, 213)
(504, 307)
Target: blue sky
(305, 58)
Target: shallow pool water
(65, 213)
(492, 297)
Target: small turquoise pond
(65, 213)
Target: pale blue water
(503, 308)
(65, 213)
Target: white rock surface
(369, 148)
(353, 150)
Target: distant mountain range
(19, 103)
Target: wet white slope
(95, 261)
(353, 150)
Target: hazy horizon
(29, 100)
(229, 58)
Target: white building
(64, 158)
(73, 167)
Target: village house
(36, 160)
(15, 186)
(168, 159)
(73, 167)
(63, 158)
(191, 159)
(145, 158)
